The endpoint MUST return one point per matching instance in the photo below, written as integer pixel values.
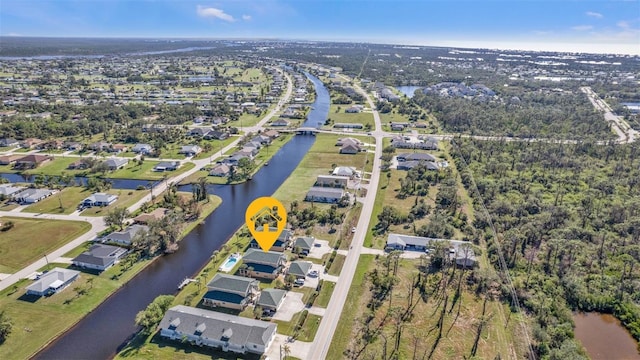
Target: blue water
(408, 90)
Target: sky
(597, 26)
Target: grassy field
(325, 294)
(336, 266)
(340, 116)
(460, 321)
(57, 166)
(308, 331)
(145, 171)
(70, 198)
(31, 239)
(126, 198)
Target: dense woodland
(568, 223)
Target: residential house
(350, 149)
(271, 134)
(118, 148)
(9, 142)
(271, 299)
(7, 190)
(31, 161)
(99, 257)
(303, 245)
(415, 157)
(78, 165)
(220, 170)
(332, 181)
(235, 158)
(348, 141)
(348, 126)
(155, 215)
(345, 171)
(281, 243)
(9, 159)
(353, 110)
(54, 144)
(73, 146)
(31, 143)
(126, 236)
(216, 135)
(324, 194)
(143, 149)
(230, 291)
(299, 269)
(167, 166)
(199, 131)
(100, 146)
(280, 123)
(262, 264)
(217, 330)
(32, 195)
(115, 163)
(52, 282)
(100, 199)
(190, 150)
(408, 165)
(261, 139)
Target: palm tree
(287, 350)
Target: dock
(185, 282)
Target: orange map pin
(266, 218)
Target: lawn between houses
(59, 312)
(338, 115)
(71, 197)
(30, 239)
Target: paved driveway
(317, 251)
(292, 304)
(298, 348)
(312, 282)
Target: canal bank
(105, 330)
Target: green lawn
(31, 239)
(340, 116)
(57, 167)
(216, 146)
(325, 294)
(126, 198)
(70, 198)
(308, 331)
(336, 265)
(145, 171)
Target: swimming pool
(230, 263)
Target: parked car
(313, 273)
(353, 229)
(299, 282)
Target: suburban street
(97, 223)
(322, 341)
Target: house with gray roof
(281, 243)
(303, 245)
(167, 166)
(262, 264)
(190, 150)
(32, 195)
(230, 291)
(217, 330)
(408, 165)
(99, 257)
(144, 149)
(346, 171)
(271, 299)
(415, 157)
(116, 163)
(52, 282)
(332, 181)
(324, 195)
(220, 170)
(125, 237)
(100, 199)
(9, 189)
(299, 269)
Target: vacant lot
(338, 115)
(145, 171)
(30, 239)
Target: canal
(105, 330)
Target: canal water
(104, 331)
(125, 184)
(604, 337)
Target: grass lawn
(308, 331)
(70, 197)
(25, 243)
(216, 146)
(56, 167)
(363, 118)
(325, 294)
(336, 265)
(56, 313)
(145, 171)
(126, 198)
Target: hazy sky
(570, 25)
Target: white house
(52, 282)
(100, 199)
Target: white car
(299, 282)
(313, 273)
(353, 229)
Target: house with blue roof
(230, 291)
